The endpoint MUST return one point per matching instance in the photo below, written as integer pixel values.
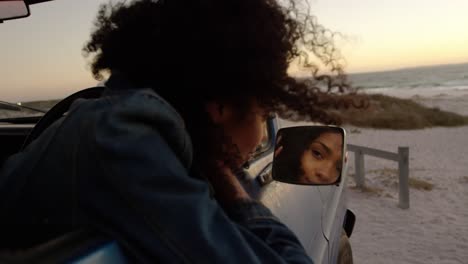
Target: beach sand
(435, 227)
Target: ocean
(418, 80)
(452, 76)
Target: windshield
(43, 55)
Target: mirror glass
(11, 9)
(309, 155)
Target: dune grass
(386, 112)
(389, 178)
(463, 179)
(386, 179)
(372, 190)
(419, 184)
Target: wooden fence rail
(402, 157)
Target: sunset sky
(41, 55)
(398, 33)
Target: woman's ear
(218, 112)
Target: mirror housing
(13, 9)
(310, 155)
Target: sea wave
(442, 76)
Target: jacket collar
(118, 82)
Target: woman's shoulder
(122, 97)
(149, 99)
(139, 113)
(128, 106)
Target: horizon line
(409, 68)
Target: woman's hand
(279, 148)
(227, 187)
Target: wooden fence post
(403, 181)
(359, 167)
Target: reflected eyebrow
(329, 151)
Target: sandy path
(435, 228)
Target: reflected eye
(317, 154)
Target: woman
(309, 155)
(322, 161)
(150, 162)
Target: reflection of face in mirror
(309, 155)
(321, 162)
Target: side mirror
(309, 155)
(13, 9)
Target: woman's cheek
(305, 163)
(258, 134)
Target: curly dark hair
(194, 51)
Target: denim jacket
(121, 164)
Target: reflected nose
(326, 173)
